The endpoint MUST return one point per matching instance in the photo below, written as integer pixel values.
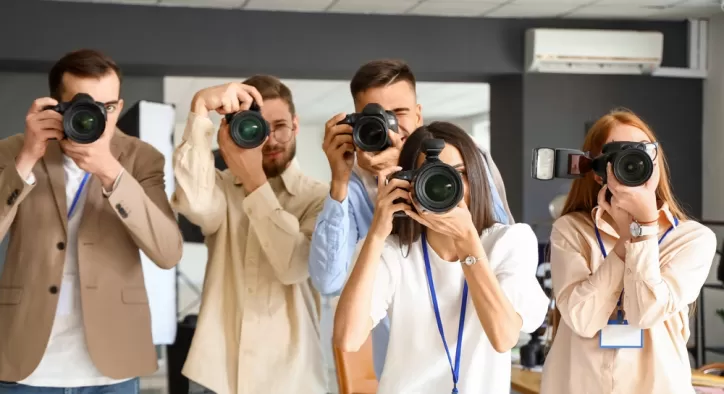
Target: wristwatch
(637, 230)
(470, 260)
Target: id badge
(619, 334)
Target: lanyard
(456, 369)
(619, 313)
(77, 195)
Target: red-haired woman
(625, 272)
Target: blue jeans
(128, 387)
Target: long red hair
(583, 196)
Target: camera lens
(248, 129)
(84, 123)
(633, 167)
(438, 187)
(370, 134)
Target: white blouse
(416, 361)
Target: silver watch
(637, 230)
(470, 260)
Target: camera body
(248, 129)
(631, 163)
(436, 186)
(369, 127)
(84, 119)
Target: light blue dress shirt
(339, 227)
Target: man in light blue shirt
(348, 210)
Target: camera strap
(619, 306)
(77, 195)
(431, 285)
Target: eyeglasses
(652, 148)
(281, 133)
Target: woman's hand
(385, 207)
(620, 217)
(456, 223)
(638, 201)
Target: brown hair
(583, 196)
(84, 63)
(378, 73)
(270, 88)
(480, 207)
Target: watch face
(469, 260)
(635, 229)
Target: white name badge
(618, 335)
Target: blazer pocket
(134, 296)
(10, 295)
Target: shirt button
(628, 271)
(60, 246)
(53, 289)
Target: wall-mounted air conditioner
(569, 51)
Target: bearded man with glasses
(258, 327)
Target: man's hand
(41, 125)
(374, 162)
(95, 158)
(225, 99)
(339, 148)
(245, 164)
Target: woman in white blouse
(435, 274)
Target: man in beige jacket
(258, 328)
(73, 305)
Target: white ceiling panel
(373, 7)
(610, 12)
(553, 2)
(202, 3)
(454, 8)
(288, 5)
(515, 10)
(686, 11)
(643, 3)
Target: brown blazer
(116, 314)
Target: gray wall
(18, 90)
(554, 111)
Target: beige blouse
(659, 282)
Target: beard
(274, 167)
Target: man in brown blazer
(73, 305)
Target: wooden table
(528, 382)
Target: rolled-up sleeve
(653, 291)
(517, 275)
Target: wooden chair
(355, 370)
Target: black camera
(248, 129)
(632, 162)
(436, 186)
(84, 119)
(369, 127)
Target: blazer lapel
(53, 163)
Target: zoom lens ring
(425, 174)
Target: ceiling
(318, 100)
(611, 9)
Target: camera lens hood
(438, 187)
(632, 167)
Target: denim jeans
(128, 387)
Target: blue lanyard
(456, 369)
(619, 314)
(77, 195)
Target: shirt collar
(603, 220)
(289, 179)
